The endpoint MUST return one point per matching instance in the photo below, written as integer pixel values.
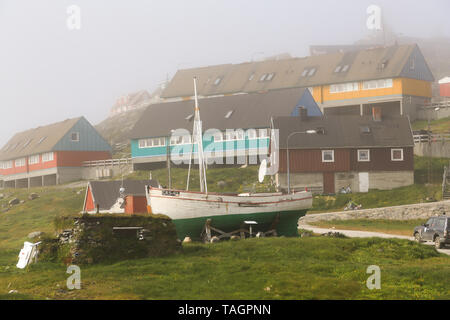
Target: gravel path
(365, 234)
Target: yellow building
(395, 79)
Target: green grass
(437, 126)
(236, 179)
(267, 268)
(421, 165)
(35, 215)
(400, 227)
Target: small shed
(105, 196)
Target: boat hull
(190, 211)
(286, 226)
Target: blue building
(236, 127)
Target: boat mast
(197, 135)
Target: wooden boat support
(207, 233)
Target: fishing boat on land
(191, 211)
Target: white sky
(49, 73)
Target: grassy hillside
(266, 268)
(437, 126)
(35, 215)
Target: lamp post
(168, 157)
(287, 153)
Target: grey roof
(249, 111)
(345, 132)
(106, 193)
(367, 64)
(29, 142)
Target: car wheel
(417, 237)
(437, 242)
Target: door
(328, 182)
(363, 182)
(428, 230)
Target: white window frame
(32, 159)
(378, 84)
(344, 87)
(19, 162)
(368, 155)
(218, 136)
(252, 134)
(48, 156)
(263, 133)
(323, 155)
(7, 164)
(77, 134)
(151, 143)
(392, 154)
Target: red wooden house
(51, 154)
(106, 196)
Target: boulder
(13, 201)
(35, 234)
(187, 240)
(221, 184)
(33, 196)
(215, 239)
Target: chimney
(376, 114)
(302, 113)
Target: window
(263, 77)
(218, 137)
(7, 164)
(363, 155)
(309, 72)
(365, 129)
(338, 68)
(240, 134)
(251, 77)
(154, 142)
(397, 154)
(41, 139)
(251, 134)
(263, 133)
(229, 135)
(344, 87)
(217, 81)
(175, 140)
(75, 136)
(189, 117)
(270, 76)
(377, 84)
(228, 115)
(327, 155)
(412, 64)
(345, 68)
(19, 162)
(27, 143)
(47, 157)
(33, 159)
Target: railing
(425, 138)
(107, 163)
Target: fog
(50, 73)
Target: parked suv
(437, 229)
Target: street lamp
(287, 153)
(168, 157)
